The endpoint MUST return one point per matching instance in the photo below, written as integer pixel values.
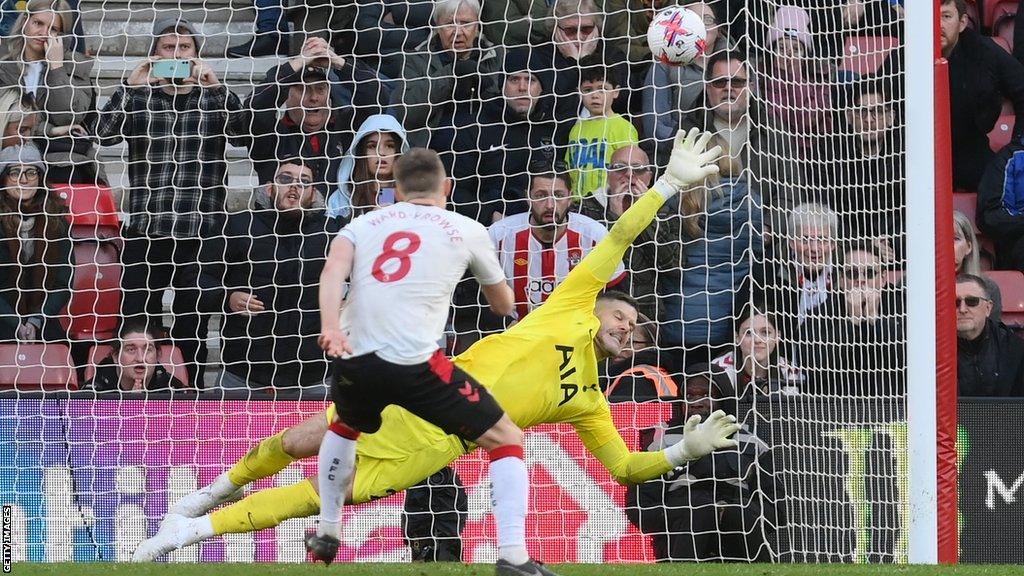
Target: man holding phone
(176, 117)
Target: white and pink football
(676, 36)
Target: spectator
(488, 158)
(389, 29)
(697, 301)
(853, 345)
(40, 59)
(641, 373)
(271, 38)
(594, 138)
(626, 23)
(720, 506)
(317, 123)
(671, 91)
(17, 119)
(755, 154)
(657, 249)
(798, 100)
(799, 276)
(981, 76)
(539, 248)
(453, 65)
(756, 360)
(575, 36)
(134, 363)
(834, 23)
(177, 135)
(36, 264)
(1001, 206)
(990, 357)
(365, 178)
(263, 273)
(966, 250)
(519, 23)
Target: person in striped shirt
(538, 249)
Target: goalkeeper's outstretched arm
(699, 439)
(689, 165)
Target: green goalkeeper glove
(689, 164)
(701, 439)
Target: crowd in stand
(551, 121)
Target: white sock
(509, 493)
(195, 530)
(337, 460)
(222, 486)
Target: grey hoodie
(339, 203)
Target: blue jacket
(698, 304)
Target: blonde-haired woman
(38, 59)
(967, 251)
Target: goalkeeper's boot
(221, 491)
(175, 532)
(528, 568)
(323, 548)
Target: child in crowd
(598, 134)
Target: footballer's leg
(267, 458)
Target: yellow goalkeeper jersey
(544, 369)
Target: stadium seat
(864, 55)
(170, 356)
(973, 20)
(37, 367)
(1011, 287)
(998, 18)
(92, 313)
(1000, 136)
(92, 210)
(1003, 43)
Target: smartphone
(172, 69)
(386, 197)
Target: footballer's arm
(500, 298)
(332, 279)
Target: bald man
(657, 249)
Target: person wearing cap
(798, 100)
(721, 506)
(39, 59)
(325, 97)
(263, 273)
(657, 249)
(36, 264)
(489, 156)
(177, 132)
(454, 65)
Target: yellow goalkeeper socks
(264, 460)
(267, 508)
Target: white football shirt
(408, 259)
(535, 268)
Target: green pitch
(487, 570)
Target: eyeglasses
(289, 180)
(861, 273)
(572, 31)
(971, 301)
(634, 168)
(28, 173)
(722, 83)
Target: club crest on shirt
(574, 255)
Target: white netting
(178, 191)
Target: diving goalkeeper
(542, 370)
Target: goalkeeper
(542, 370)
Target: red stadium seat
(92, 210)
(92, 313)
(1003, 43)
(973, 20)
(36, 367)
(1011, 288)
(999, 16)
(864, 55)
(170, 356)
(1000, 136)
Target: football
(676, 36)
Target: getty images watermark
(8, 511)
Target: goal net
(196, 195)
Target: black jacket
(279, 261)
(991, 365)
(981, 76)
(105, 379)
(490, 157)
(356, 93)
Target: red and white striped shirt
(535, 268)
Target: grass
(109, 569)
